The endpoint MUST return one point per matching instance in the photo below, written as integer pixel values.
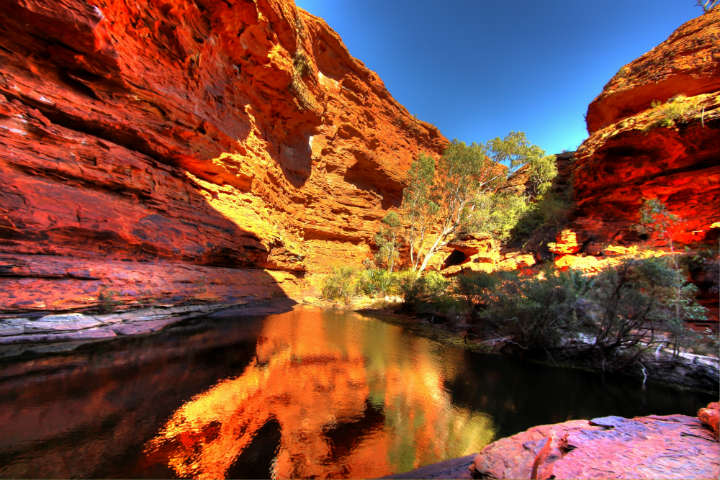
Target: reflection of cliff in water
(343, 397)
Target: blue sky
(479, 69)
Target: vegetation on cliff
(468, 190)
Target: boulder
(674, 446)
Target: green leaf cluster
(466, 191)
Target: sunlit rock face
(687, 62)
(187, 135)
(673, 446)
(643, 144)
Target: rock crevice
(200, 134)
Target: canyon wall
(655, 133)
(166, 152)
(187, 150)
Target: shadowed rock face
(182, 137)
(643, 144)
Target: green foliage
(301, 65)
(418, 206)
(536, 313)
(636, 300)
(497, 214)
(464, 194)
(707, 5)
(515, 150)
(428, 293)
(549, 212)
(436, 205)
(416, 286)
(301, 68)
(374, 281)
(656, 219)
(477, 288)
(464, 173)
(387, 241)
(106, 302)
(542, 170)
(624, 311)
(345, 282)
(340, 284)
(674, 111)
(509, 214)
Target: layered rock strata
(655, 133)
(187, 150)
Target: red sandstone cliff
(655, 133)
(159, 150)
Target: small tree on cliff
(658, 222)
(707, 5)
(515, 151)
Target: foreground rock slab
(673, 446)
(652, 447)
(56, 333)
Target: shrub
(536, 312)
(707, 5)
(340, 284)
(106, 302)
(427, 293)
(386, 241)
(428, 284)
(375, 281)
(477, 288)
(674, 111)
(301, 65)
(636, 302)
(497, 214)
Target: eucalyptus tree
(452, 195)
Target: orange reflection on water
(352, 397)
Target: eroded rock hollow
(187, 151)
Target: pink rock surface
(674, 446)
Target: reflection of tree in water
(350, 398)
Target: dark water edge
(341, 395)
(681, 375)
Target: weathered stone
(141, 327)
(454, 468)
(72, 321)
(674, 446)
(159, 151)
(686, 63)
(566, 243)
(642, 147)
(86, 334)
(710, 416)
(8, 330)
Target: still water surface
(308, 393)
